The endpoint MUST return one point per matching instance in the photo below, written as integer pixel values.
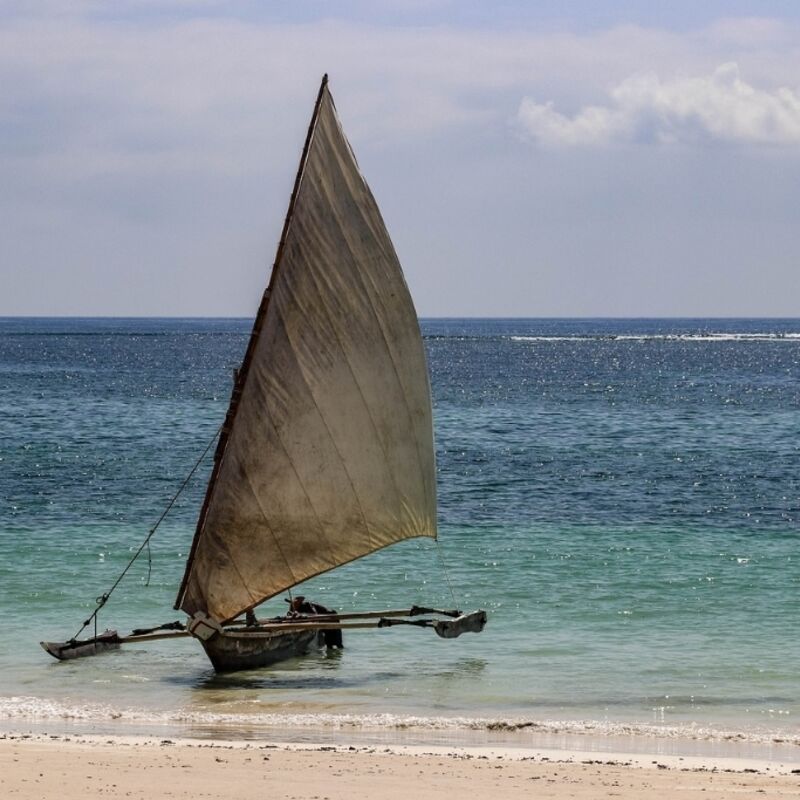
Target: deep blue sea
(622, 497)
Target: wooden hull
(230, 650)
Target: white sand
(40, 767)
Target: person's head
(296, 602)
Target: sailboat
(326, 453)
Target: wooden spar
(274, 627)
(241, 375)
(152, 637)
(279, 627)
(317, 622)
(409, 612)
(475, 621)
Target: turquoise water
(622, 496)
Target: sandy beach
(38, 767)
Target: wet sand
(39, 767)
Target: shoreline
(75, 766)
(632, 741)
(247, 722)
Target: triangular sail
(328, 455)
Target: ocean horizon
(621, 495)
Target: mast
(242, 372)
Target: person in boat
(299, 605)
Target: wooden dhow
(326, 454)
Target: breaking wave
(22, 709)
(668, 337)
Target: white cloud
(720, 107)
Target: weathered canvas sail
(328, 452)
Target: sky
(531, 159)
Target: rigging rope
(446, 573)
(103, 598)
(149, 565)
